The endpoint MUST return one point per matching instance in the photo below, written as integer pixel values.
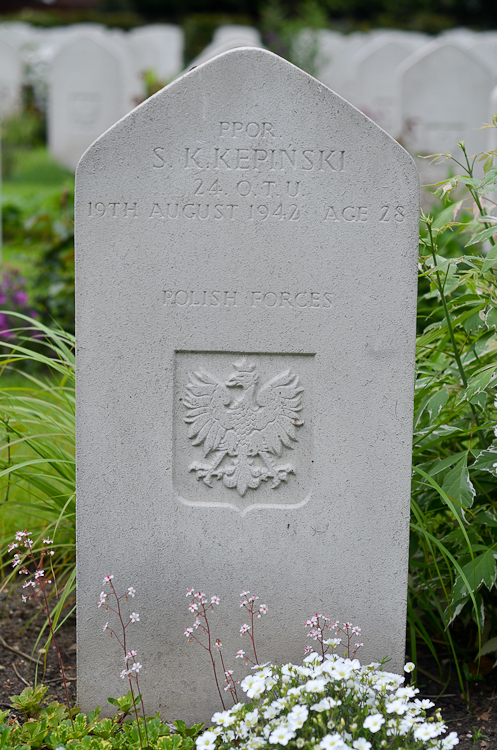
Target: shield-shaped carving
(84, 108)
(243, 429)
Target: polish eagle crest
(243, 434)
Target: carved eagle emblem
(243, 432)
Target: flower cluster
(37, 580)
(329, 703)
(112, 603)
(319, 624)
(248, 602)
(13, 297)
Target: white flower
(124, 673)
(425, 732)
(253, 685)
(134, 617)
(103, 598)
(332, 742)
(20, 535)
(240, 654)
(251, 718)
(397, 706)
(271, 712)
(244, 629)
(130, 654)
(424, 704)
(263, 609)
(206, 741)
(361, 744)
(223, 718)
(300, 742)
(315, 686)
(281, 735)
(406, 692)
(254, 743)
(48, 541)
(325, 703)
(409, 667)
(297, 716)
(373, 722)
(136, 667)
(215, 600)
(107, 579)
(105, 626)
(131, 591)
(450, 741)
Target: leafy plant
(453, 539)
(295, 37)
(37, 467)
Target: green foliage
(50, 727)
(200, 27)
(295, 36)
(30, 700)
(20, 132)
(37, 467)
(454, 493)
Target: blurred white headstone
(87, 95)
(375, 69)
(10, 79)
(158, 48)
(445, 93)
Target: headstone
(228, 32)
(337, 52)
(375, 73)
(226, 42)
(158, 48)
(10, 79)
(87, 94)
(246, 259)
(445, 92)
(486, 50)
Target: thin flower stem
(209, 648)
(451, 334)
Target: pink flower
(16, 561)
(19, 535)
(13, 546)
(107, 579)
(190, 592)
(131, 591)
(193, 607)
(48, 541)
(215, 600)
(39, 574)
(228, 672)
(134, 617)
(240, 654)
(244, 594)
(244, 629)
(131, 654)
(188, 632)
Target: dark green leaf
(457, 484)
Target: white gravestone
(87, 94)
(158, 48)
(225, 39)
(445, 92)
(10, 79)
(375, 70)
(246, 255)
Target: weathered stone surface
(246, 299)
(445, 95)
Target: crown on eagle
(244, 365)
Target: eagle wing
(281, 402)
(209, 419)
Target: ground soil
(475, 724)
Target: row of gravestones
(427, 93)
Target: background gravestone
(87, 94)
(445, 96)
(10, 79)
(246, 253)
